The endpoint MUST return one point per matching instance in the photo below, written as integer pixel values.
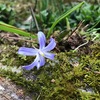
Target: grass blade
(12, 29)
(63, 16)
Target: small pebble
(2, 88)
(14, 96)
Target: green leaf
(62, 17)
(12, 29)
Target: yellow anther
(41, 53)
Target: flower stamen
(41, 53)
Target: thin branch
(77, 28)
(17, 38)
(74, 31)
(33, 15)
(36, 1)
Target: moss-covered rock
(71, 76)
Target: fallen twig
(5, 96)
(81, 45)
(95, 72)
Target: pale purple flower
(41, 53)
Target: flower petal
(50, 46)
(32, 65)
(38, 65)
(27, 51)
(42, 60)
(49, 55)
(41, 39)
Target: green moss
(10, 57)
(63, 79)
(89, 96)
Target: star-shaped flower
(41, 53)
